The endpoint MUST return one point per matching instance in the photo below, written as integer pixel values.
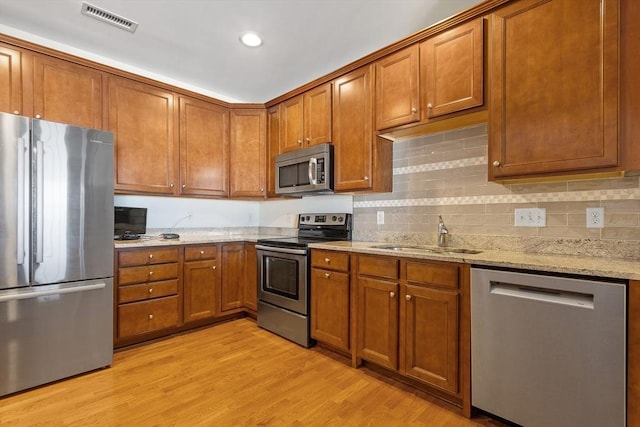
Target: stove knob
(340, 219)
(334, 218)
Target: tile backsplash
(446, 174)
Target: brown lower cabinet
(163, 290)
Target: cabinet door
(248, 153)
(452, 70)
(353, 130)
(273, 148)
(251, 277)
(378, 321)
(291, 114)
(330, 307)
(146, 152)
(431, 336)
(232, 277)
(204, 148)
(200, 285)
(397, 89)
(11, 80)
(554, 87)
(317, 115)
(66, 92)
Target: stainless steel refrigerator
(56, 251)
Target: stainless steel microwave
(305, 171)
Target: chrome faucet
(442, 232)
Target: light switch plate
(531, 217)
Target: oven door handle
(281, 250)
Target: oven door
(283, 277)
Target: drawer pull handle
(151, 273)
(407, 297)
(151, 317)
(327, 260)
(201, 252)
(150, 256)
(327, 275)
(150, 290)
(392, 294)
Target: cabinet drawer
(151, 273)
(196, 253)
(147, 291)
(148, 316)
(330, 259)
(147, 256)
(386, 267)
(432, 274)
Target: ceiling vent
(108, 17)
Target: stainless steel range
(284, 274)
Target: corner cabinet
(363, 162)
(554, 87)
(146, 147)
(248, 154)
(204, 148)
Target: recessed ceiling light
(251, 39)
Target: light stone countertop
(568, 264)
(190, 239)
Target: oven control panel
(323, 219)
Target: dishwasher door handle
(554, 296)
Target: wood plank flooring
(233, 374)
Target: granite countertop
(589, 266)
(190, 239)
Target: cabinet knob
(414, 110)
(496, 163)
(184, 186)
(38, 116)
(151, 273)
(201, 252)
(366, 178)
(407, 297)
(262, 190)
(171, 185)
(150, 256)
(307, 139)
(392, 294)
(16, 112)
(150, 290)
(327, 275)
(151, 317)
(429, 105)
(327, 260)
(213, 267)
(299, 142)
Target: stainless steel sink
(427, 249)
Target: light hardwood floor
(233, 374)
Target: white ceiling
(194, 43)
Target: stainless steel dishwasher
(547, 350)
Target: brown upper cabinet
(554, 87)
(248, 158)
(306, 119)
(451, 67)
(397, 89)
(273, 148)
(11, 80)
(146, 148)
(204, 148)
(66, 92)
(362, 160)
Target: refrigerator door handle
(59, 291)
(23, 199)
(39, 196)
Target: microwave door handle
(313, 171)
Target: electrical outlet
(531, 217)
(380, 217)
(595, 217)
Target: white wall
(168, 212)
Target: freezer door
(14, 201)
(72, 198)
